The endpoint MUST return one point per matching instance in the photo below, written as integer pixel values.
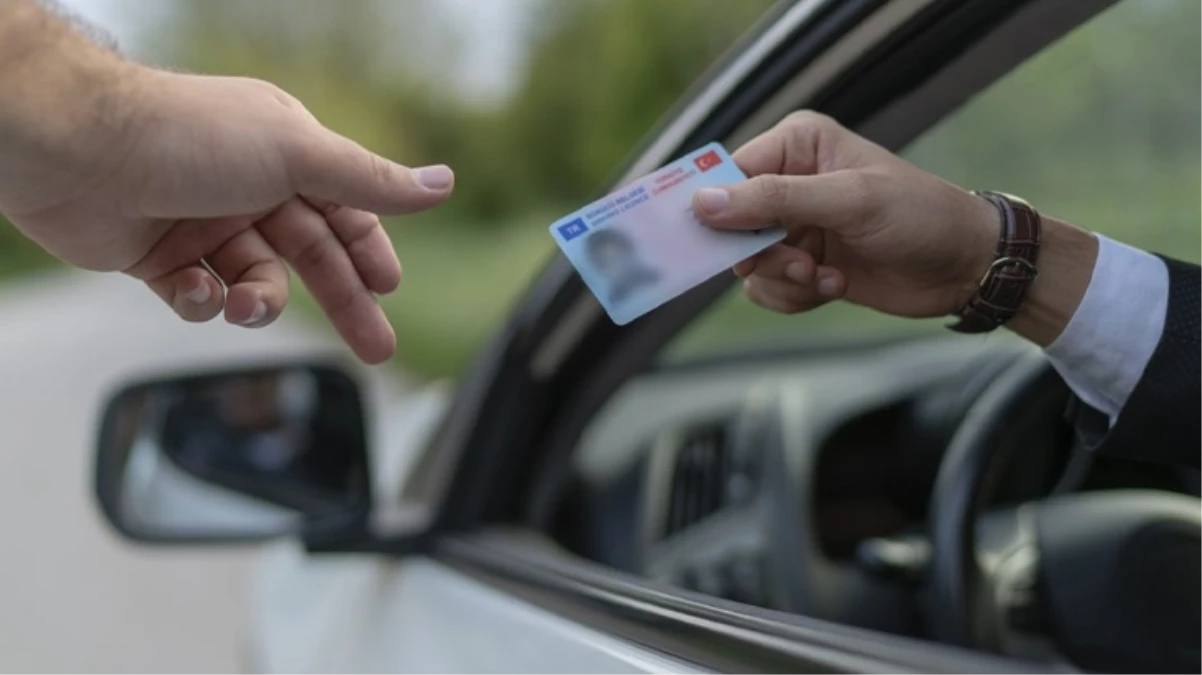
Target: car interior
(805, 483)
(922, 486)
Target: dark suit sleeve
(1160, 420)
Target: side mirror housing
(237, 456)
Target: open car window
(1101, 129)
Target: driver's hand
(232, 172)
(862, 223)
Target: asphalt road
(74, 597)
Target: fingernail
(828, 287)
(257, 315)
(437, 177)
(199, 295)
(713, 200)
(796, 271)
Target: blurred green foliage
(19, 255)
(601, 72)
(596, 77)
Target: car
(602, 498)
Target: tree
(601, 72)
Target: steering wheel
(1108, 579)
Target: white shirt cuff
(1108, 342)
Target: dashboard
(801, 482)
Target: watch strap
(1003, 288)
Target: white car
(583, 501)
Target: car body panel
(294, 595)
(373, 614)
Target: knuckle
(381, 170)
(782, 305)
(861, 188)
(277, 94)
(342, 304)
(858, 184)
(792, 306)
(773, 191)
(807, 133)
(316, 253)
(809, 121)
(771, 297)
(305, 155)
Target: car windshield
(1111, 144)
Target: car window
(1100, 128)
(758, 480)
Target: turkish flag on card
(708, 161)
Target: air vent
(699, 479)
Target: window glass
(1101, 129)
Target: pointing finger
(367, 243)
(302, 237)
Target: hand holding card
(641, 246)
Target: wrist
(981, 228)
(1040, 270)
(1066, 264)
(67, 105)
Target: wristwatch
(1002, 290)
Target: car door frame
(888, 70)
(543, 375)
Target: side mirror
(236, 456)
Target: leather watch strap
(1002, 290)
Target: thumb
(332, 167)
(828, 201)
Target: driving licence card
(641, 246)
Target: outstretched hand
(209, 188)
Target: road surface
(74, 597)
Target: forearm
(1066, 264)
(63, 95)
(1097, 307)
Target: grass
(459, 283)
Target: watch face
(1009, 197)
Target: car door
(488, 591)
